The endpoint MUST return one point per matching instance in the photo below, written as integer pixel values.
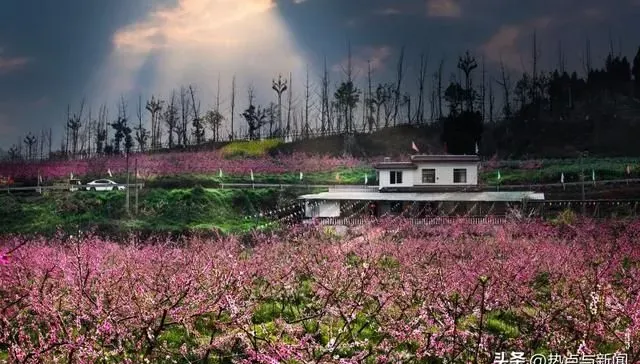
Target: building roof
(507, 196)
(444, 158)
(422, 158)
(395, 165)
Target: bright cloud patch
(197, 40)
(511, 43)
(8, 64)
(444, 8)
(360, 61)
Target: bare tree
(562, 62)
(434, 95)
(14, 152)
(439, 90)
(66, 132)
(154, 107)
(491, 101)
(467, 64)
(406, 100)
(141, 133)
(50, 141)
(101, 130)
(214, 118)
(233, 105)
(271, 115)
(185, 113)
(396, 94)
(586, 58)
(42, 137)
(30, 141)
(326, 124)
(122, 130)
(198, 128)
(170, 117)
(306, 131)
(535, 84)
(255, 117)
(289, 102)
(73, 124)
(347, 97)
(422, 76)
(279, 87)
(371, 102)
(90, 130)
(506, 88)
(483, 91)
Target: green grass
(551, 170)
(340, 176)
(605, 169)
(253, 148)
(170, 211)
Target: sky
(53, 54)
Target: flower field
(177, 163)
(237, 160)
(380, 294)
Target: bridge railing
(437, 220)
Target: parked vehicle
(104, 185)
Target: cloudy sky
(55, 53)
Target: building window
(395, 177)
(459, 175)
(429, 175)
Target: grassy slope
(160, 210)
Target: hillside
(177, 211)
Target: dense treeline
(540, 114)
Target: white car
(104, 185)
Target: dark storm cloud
(49, 49)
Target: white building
(427, 185)
(429, 172)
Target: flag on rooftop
(415, 147)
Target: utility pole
(135, 178)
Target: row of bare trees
(179, 121)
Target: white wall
(408, 178)
(323, 209)
(444, 173)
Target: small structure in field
(428, 185)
